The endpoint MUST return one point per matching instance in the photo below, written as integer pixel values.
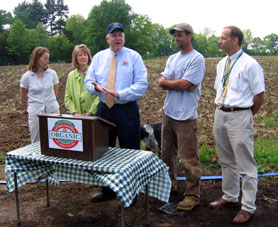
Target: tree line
(36, 24)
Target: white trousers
(34, 126)
(234, 137)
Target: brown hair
(75, 51)
(236, 32)
(35, 56)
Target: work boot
(188, 203)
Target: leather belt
(125, 104)
(122, 105)
(232, 109)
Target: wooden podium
(67, 136)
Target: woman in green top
(77, 99)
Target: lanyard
(225, 77)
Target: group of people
(39, 87)
(110, 84)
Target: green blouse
(77, 98)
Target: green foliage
(50, 16)
(256, 47)
(30, 13)
(56, 13)
(246, 43)
(162, 41)
(207, 43)
(150, 40)
(142, 145)
(139, 35)
(18, 43)
(5, 58)
(42, 34)
(5, 19)
(208, 156)
(266, 155)
(37, 37)
(271, 44)
(271, 121)
(212, 48)
(22, 13)
(200, 43)
(74, 27)
(102, 15)
(60, 48)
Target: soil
(70, 202)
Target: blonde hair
(35, 56)
(75, 51)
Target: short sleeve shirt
(183, 105)
(41, 96)
(246, 80)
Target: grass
(271, 121)
(60, 74)
(265, 153)
(208, 157)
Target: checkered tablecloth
(125, 171)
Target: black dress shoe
(101, 197)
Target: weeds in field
(265, 153)
(60, 74)
(208, 157)
(7, 106)
(271, 121)
(2, 159)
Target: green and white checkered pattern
(125, 171)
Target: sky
(257, 15)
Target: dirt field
(70, 203)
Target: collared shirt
(131, 74)
(246, 80)
(41, 96)
(182, 105)
(77, 98)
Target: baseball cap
(113, 26)
(183, 27)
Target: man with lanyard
(240, 93)
(182, 78)
(130, 84)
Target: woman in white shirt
(39, 88)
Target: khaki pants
(233, 132)
(180, 137)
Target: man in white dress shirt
(240, 93)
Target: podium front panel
(84, 138)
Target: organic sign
(65, 134)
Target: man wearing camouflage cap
(182, 78)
